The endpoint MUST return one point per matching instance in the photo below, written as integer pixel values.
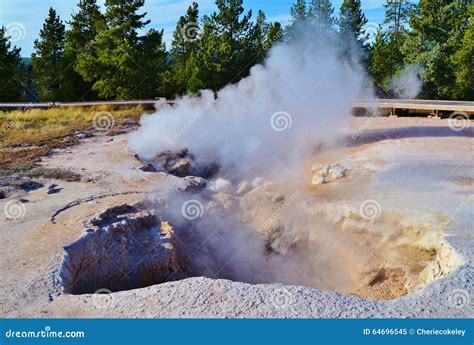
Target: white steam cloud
(301, 95)
(408, 83)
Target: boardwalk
(396, 106)
(392, 106)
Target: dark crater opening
(128, 247)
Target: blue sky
(25, 17)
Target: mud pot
(262, 236)
(377, 219)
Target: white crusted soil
(411, 258)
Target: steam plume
(408, 83)
(302, 94)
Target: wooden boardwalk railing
(392, 106)
(432, 107)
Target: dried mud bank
(407, 254)
(125, 247)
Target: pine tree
(228, 47)
(84, 25)
(352, 21)
(261, 27)
(151, 58)
(298, 11)
(11, 73)
(397, 14)
(298, 15)
(464, 62)
(186, 34)
(197, 80)
(383, 63)
(47, 59)
(386, 55)
(274, 34)
(115, 61)
(267, 34)
(185, 42)
(438, 28)
(322, 13)
(83, 29)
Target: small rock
(318, 180)
(320, 169)
(243, 188)
(148, 168)
(181, 163)
(191, 184)
(325, 170)
(81, 135)
(224, 186)
(3, 194)
(278, 198)
(53, 189)
(337, 171)
(179, 167)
